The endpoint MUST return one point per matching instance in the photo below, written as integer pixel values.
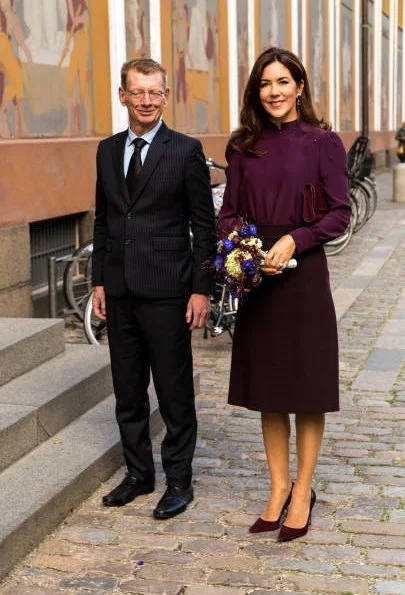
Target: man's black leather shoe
(174, 501)
(127, 490)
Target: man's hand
(99, 302)
(198, 308)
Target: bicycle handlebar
(214, 165)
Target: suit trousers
(151, 335)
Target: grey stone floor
(357, 541)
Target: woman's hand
(278, 256)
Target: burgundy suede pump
(290, 533)
(261, 525)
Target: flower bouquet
(239, 258)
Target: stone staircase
(58, 435)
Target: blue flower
(228, 245)
(219, 261)
(244, 232)
(249, 267)
(252, 229)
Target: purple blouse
(268, 190)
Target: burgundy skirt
(285, 347)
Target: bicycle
(77, 279)
(358, 196)
(336, 246)
(223, 306)
(361, 180)
(362, 193)
(223, 309)
(366, 180)
(95, 329)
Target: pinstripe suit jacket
(142, 242)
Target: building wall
(15, 274)
(58, 94)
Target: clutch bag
(315, 205)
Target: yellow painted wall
(167, 53)
(101, 67)
(223, 63)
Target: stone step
(38, 404)
(42, 487)
(26, 343)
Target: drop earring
(299, 101)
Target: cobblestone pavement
(357, 541)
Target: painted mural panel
(370, 54)
(45, 68)
(273, 23)
(384, 73)
(299, 32)
(243, 47)
(317, 66)
(346, 70)
(137, 28)
(400, 66)
(196, 82)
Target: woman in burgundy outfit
(285, 349)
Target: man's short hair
(143, 65)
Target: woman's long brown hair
(253, 116)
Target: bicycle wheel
(231, 316)
(231, 308)
(370, 185)
(338, 244)
(360, 196)
(94, 328)
(77, 279)
(222, 312)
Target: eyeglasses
(154, 94)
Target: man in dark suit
(150, 283)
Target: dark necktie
(135, 165)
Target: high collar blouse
(268, 190)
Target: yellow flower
(232, 262)
(252, 242)
(232, 265)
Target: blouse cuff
(303, 238)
